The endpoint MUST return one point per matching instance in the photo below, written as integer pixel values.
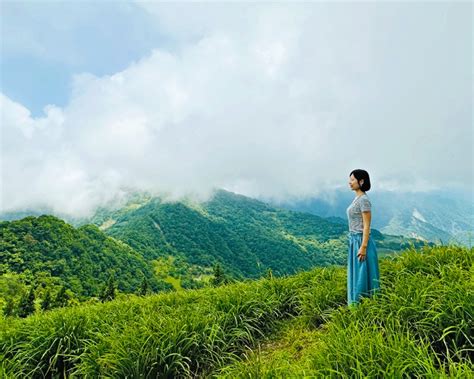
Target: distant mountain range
(443, 218)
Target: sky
(267, 100)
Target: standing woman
(363, 278)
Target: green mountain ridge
(47, 251)
(174, 245)
(246, 235)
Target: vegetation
(149, 246)
(108, 291)
(45, 257)
(419, 325)
(244, 235)
(219, 276)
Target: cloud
(269, 100)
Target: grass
(172, 335)
(419, 325)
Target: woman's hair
(359, 175)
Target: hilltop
(419, 325)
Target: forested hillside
(246, 235)
(149, 245)
(47, 253)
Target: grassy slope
(419, 325)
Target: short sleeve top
(354, 212)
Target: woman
(363, 277)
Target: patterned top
(354, 212)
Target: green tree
(144, 287)
(269, 273)
(46, 303)
(9, 309)
(27, 303)
(108, 291)
(219, 276)
(62, 298)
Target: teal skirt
(363, 278)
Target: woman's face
(353, 183)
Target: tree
(62, 298)
(9, 309)
(46, 303)
(108, 291)
(269, 273)
(144, 287)
(27, 303)
(219, 276)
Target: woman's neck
(359, 193)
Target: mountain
(174, 245)
(440, 217)
(48, 252)
(246, 235)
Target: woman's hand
(362, 253)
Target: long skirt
(363, 278)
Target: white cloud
(270, 100)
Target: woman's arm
(366, 218)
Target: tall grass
(166, 335)
(419, 325)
